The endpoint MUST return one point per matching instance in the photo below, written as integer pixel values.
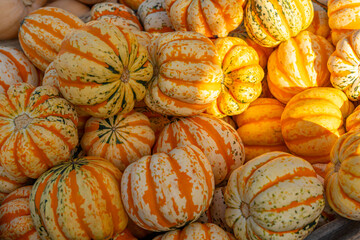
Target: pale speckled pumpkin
(37, 130)
(242, 77)
(120, 139)
(218, 140)
(196, 231)
(320, 23)
(187, 75)
(274, 196)
(210, 18)
(9, 183)
(344, 65)
(102, 70)
(312, 122)
(260, 127)
(353, 120)
(15, 219)
(297, 64)
(270, 22)
(42, 32)
(79, 199)
(165, 191)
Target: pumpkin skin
(320, 24)
(274, 196)
(153, 16)
(73, 6)
(9, 183)
(188, 74)
(298, 64)
(212, 19)
(42, 32)
(125, 235)
(163, 191)
(242, 77)
(353, 120)
(107, 73)
(37, 130)
(344, 65)
(134, 4)
(269, 22)
(312, 122)
(218, 140)
(86, 196)
(15, 68)
(15, 219)
(198, 231)
(121, 139)
(260, 128)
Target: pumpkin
(273, 196)
(102, 70)
(219, 141)
(91, 2)
(320, 24)
(198, 231)
(125, 235)
(297, 64)
(121, 139)
(229, 121)
(9, 183)
(353, 120)
(344, 65)
(42, 32)
(79, 199)
(187, 75)
(72, 6)
(37, 130)
(312, 122)
(260, 127)
(265, 93)
(270, 22)
(153, 16)
(342, 178)
(15, 68)
(242, 77)
(210, 18)
(15, 219)
(16, 10)
(134, 4)
(344, 17)
(164, 191)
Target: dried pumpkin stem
(22, 121)
(125, 76)
(337, 166)
(245, 209)
(28, 2)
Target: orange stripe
(39, 153)
(137, 123)
(28, 235)
(32, 54)
(40, 101)
(206, 231)
(38, 194)
(43, 26)
(66, 19)
(55, 132)
(12, 197)
(16, 212)
(294, 204)
(22, 71)
(54, 201)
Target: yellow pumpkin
(353, 120)
(320, 23)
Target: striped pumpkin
(15, 68)
(219, 141)
(121, 139)
(344, 17)
(163, 191)
(320, 23)
(15, 219)
(353, 120)
(9, 183)
(344, 65)
(42, 32)
(312, 122)
(260, 127)
(210, 18)
(270, 22)
(133, 4)
(242, 77)
(79, 199)
(102, 70)
(274, 196)
(125, 235)
(297, 64)
(188, 74)
(198, 231)
(153, 16)
(342, 176)
(37, 130)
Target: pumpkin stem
(22, 121)
(337, 166)
(28, 3)
(125, 76)
(245, 209)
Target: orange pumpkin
(320, 24)
(353, 120)
(125, 235)
(9, 183)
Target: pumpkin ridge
(39, 102)
(300, 6)
(204, 22)
(45, 27)
(3, 179)
(56, 133)
(296, 204)
(255, 14)
(278, 8)
(206, 231)
(49, 11)
(302, 64)
(344, 195)
(307, 138)
(209, 85)
(20, 168)
(39, 152)
(32, 53)
(10, 216)
(22, 70)
(351, 5)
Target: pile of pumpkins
(178, 119)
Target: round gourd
(344, 65)
(103, 70)
(353, 120)
(77, 8)
(9, 183)
(164, 191)
(210, 18)
(313, 120)
(42, 32)
(320, 24)
(270, 22)
(297, 64)
(187, 75)
(242, 77)
(260, 127)
(15, 219)
(274, 196)
(218, 140)
(79, 199)
(37, 130)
